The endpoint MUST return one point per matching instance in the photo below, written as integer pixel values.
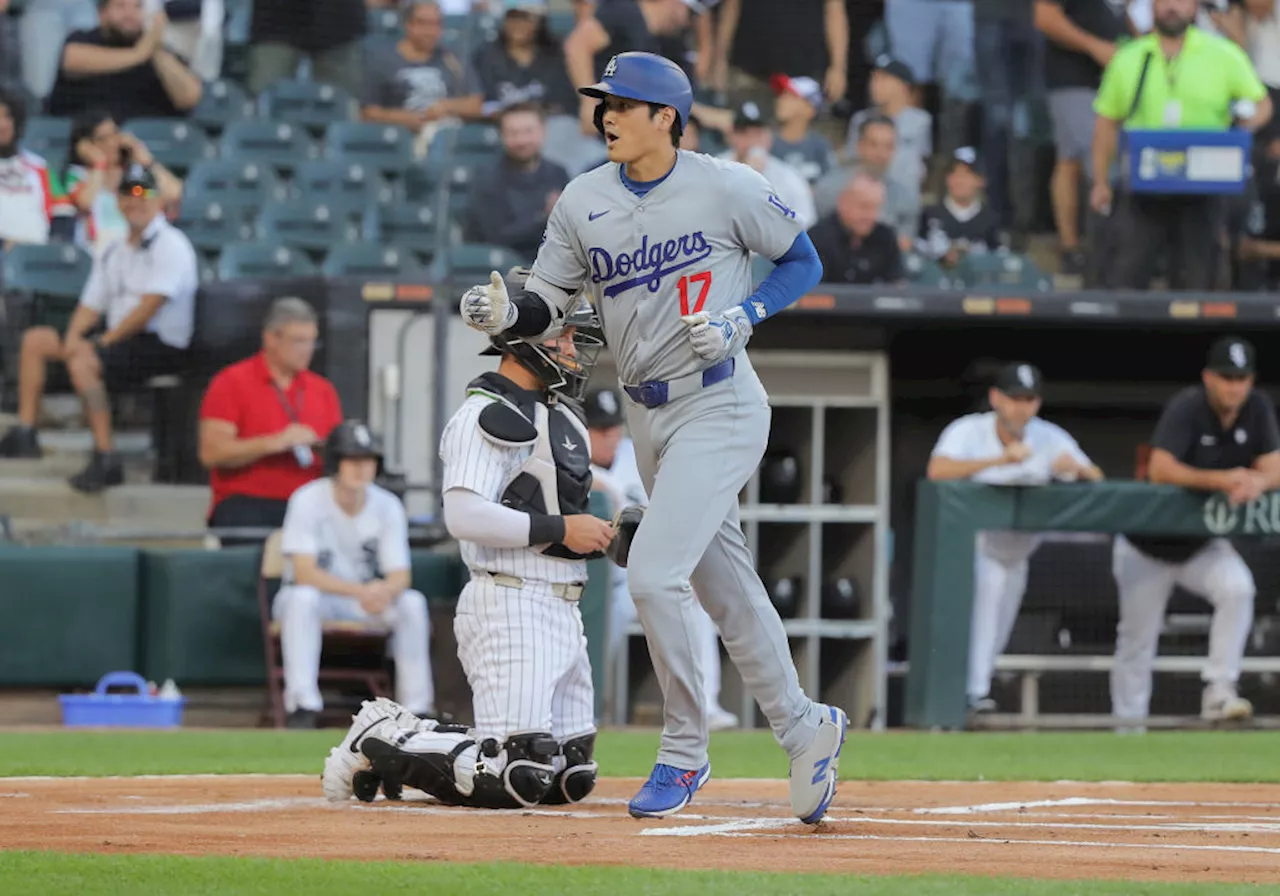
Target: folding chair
(339, 638)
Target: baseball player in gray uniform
(516, 484)
(660, 241)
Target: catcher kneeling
(516, 483)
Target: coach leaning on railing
(1176, 93)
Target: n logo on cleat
(820, 770)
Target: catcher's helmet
(351, 438)
(646, 77)
(561, 369)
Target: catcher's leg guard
(528, 772)
(439, 762)
(578, 778)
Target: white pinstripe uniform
(522, 646)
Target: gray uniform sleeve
(761, 222)
(561, 260)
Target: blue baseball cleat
(667, 791)
(814, 772)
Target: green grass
(51, 874)
(1173, 756)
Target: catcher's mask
(563, 362)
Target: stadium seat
(406, 225)
(306, 224)
(210, 224)
(47, 137)
(175, 143)
(466, 32)
(262, 258)
(348, 187)
(386, 148)
(472, 262)
(222, 103)
(279, 144)
(560, 22)
(307, 104)
(1002, 269)
(384, 23)
(234, 183)
(55, 269)
(369, 260)
(474, 139)
(922, 271)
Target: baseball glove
(625, 525)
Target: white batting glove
(719, 337)
(487, 307)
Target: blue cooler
(1186, 162)
(138, 710)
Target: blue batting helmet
(648, 78)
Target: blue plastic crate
(1182, 162)
(138, 710)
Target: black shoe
(303, 720)
(21, 442)
(1073, 263)
(104, 470)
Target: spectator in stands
(261, 420)
(42, 29)
(1082, 36)
(194, 33)
(799, 100)
(282, 32)
(421, 83)
(891, 87)
(935, 40)
(759, 38)
(27, 198)
(1007, 53)
(962, 222)
(691, 135)
(614, 27)
(123, 68)
(523, 64)
(100, 154)
(1219, 436)
(1200, 92)
(1007, 445)
(133, 322)
(346, 546)
(1258, 230)
(750, 143)
(853, 245)
(874, 153)
(1262, 41)
(510, 202)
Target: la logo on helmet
(611, 68)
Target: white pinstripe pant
(525, 655)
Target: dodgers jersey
(357, 548)
(973, 437)
(476, 464)
(682, 248)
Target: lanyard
(295, 413)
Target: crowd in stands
(379, 137)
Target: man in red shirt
(261, 422)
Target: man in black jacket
(510, 201)
(853, 245)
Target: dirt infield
(1063, 830)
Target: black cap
(1232, 356)
(1020, 380)
(749, 115)
(967, 156)
(137, 180)
(602, 408)
(897, 68)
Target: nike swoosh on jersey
(591, 216)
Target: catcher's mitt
(625, 525)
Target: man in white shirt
(346, 543)
(133, 322)
(751, 143)
(614, 472)
(1008, 445)
(26, 197)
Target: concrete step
(142, 505)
